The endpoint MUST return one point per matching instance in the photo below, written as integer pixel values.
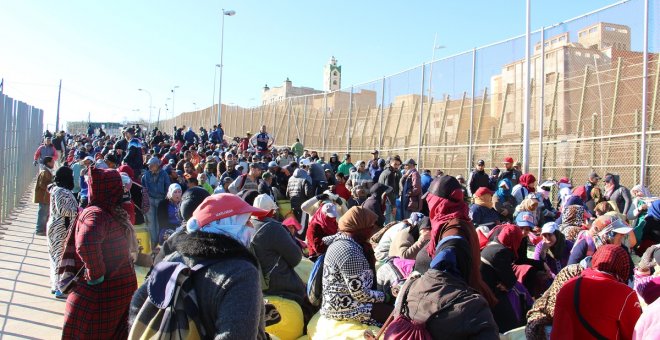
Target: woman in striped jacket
(63, 211)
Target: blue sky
(105, 50)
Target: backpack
(403, 327)
(315, 282)
(172, 310)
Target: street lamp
(195, 105)
(173, 93)
(215, 78)
(435, 48)
(222, 43)
(150, 104)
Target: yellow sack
(291, 325)
(322, 328)
(304, 269)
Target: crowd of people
(252, 240)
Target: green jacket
(297, 149)
(345, 168)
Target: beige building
(270, 95)
(565, 65)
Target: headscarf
(526, 181)
(502, 193)
(64, 178)
(511, 237)
(654, 211)
(613, 260)
(170, 191)
(573, 200)
(328, 224)
(453, 256)
(644, 190)
(360, 223)
(232, 226)
(580, 192)
(573, 215)
(528, 205)
(445, 201)
(558, 248)
(485, 200)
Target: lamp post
(150, 104)
(215, 79)
(222, 43)
(173, 90)
(435, 48)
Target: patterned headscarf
(613, 260)
(573, 215)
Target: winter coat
(345, 168)
(621, 196)
(299, 189)
(41, 194)
(411, 191)
(375, 202)
(405, 246)
(347, 282)
(278, 253)
(229, 291)
(477, 180)
(134, 157)
(481, 215)
(513, 175)
(391, 178)
(609, 306)
(464, 314)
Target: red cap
(508, 160)
(482, 191)
(565, 180)
(220, 206)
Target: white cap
(549, 228)
(264, 202)
(330, 210)
(305, 162)
(616, 226)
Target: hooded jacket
(391, 178)
(375, 202)
(299, 189)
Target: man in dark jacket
(134, 154)
(391, 177)
(478, 178)
(411, 189)
(510, 172)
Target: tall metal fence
(21, 127)
(586, 95)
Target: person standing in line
(478, 178)
(297, 149)
(510, 172)
(411, 189)
(41, 195)
(45, 150)
(157, 183)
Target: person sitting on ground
(598, 303)
(497, 261)
(322, 224)
(604, 230)
(441, 299)
(596, 198)
(650, 233)
(229, 292)
(503, 201)
(359, 196)
(203, 182)
(553, 250)
(525, 186)
(277, 253)
(482, 213)
(409, 241)
(349, 273)
(376, 202)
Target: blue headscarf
(453, 255)
(503, 194)
(654, 210)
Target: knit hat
(613, 260)
(482, 191)
(190, 200)
(153, 161)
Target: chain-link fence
(21, 126)
(585, 104)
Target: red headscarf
(510, 236)
(526, 180)
(613, 260)
(581, 192)
(443, 210)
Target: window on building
(593, 30)
(587, 55)
(450, 122)
(578, 53)
(334, 73)
(334, 82)
(562, 38)
(553, 41)
(509, 68)
(622, 30)
(508, 117)
(610, 29)
(550, 77)
(581, 34)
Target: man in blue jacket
(157, 182)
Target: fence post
(541, 111)
(348, 124)
(471, 130)
(645, 75)
(421, 115)
(382, 113)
